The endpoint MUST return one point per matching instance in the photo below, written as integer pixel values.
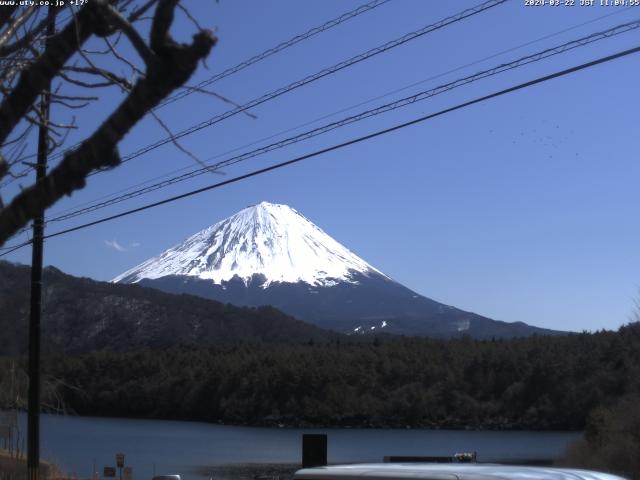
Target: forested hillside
(81, 315)
(533, 383)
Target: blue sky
(523, 208)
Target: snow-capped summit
(270, 254)
(266, 239)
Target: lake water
(75, 443)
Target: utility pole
(33, 422)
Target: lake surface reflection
(77, 443)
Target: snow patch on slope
(268, 239)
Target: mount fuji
(270, 254)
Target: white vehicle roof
(446, 471)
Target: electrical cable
(314, 77)
(354, 141)
(342, 110)
(259, 57)
(278, 48)
(306, 80)
(420, 96)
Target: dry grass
(12, 468)
(611, 442)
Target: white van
(446, 471)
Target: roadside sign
(109, 472)
(120, 460)
(128, 473)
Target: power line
(278, 48)
(342, 110)
(15, 247)
(423, 95)
(316, 76)
(309, 79)
(256, 58)
(354, 141)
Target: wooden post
(33, 422)
(314, 450)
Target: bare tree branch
(172, 65)
(136, 14)
(190, 17)
(29, 37)
(106, 51)
(17, 155)
(180, 147)
(4, 167)
(17, 23)
(68, 104)
(132, 34)
(6, 13)
(111, 77)
(76, 98)
(112, 48)
(55, 143)
(84, 84)
(162, 20)
(220, 97)
(32, 80)
(17, 139)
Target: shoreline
(202, 450)
(329, 426)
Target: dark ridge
(80, 315)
